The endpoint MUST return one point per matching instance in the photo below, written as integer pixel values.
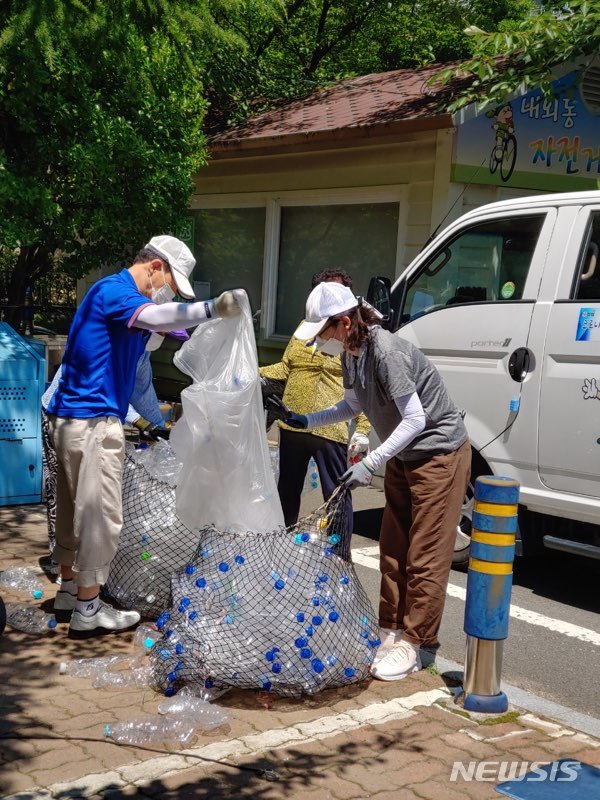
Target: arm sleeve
(171, 316)
(346, 409)
(412, 423)
(143, 400)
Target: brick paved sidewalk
(378, 740)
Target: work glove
(359, 474)
(278, 409)
(358, 447)
(153, 433)
(227, 304)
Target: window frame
(273, 202)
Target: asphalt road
(553, 648)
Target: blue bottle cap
(298, 538)
(334, 538)
(331, 660)
(317, 620)
(37, 593)
(301, 641)
(200, 583)
(179, 648)
(52, 623)
(270, 655)
(223, 566)
(279, 584)
(300, 617)
(374, 643)
(317, 665)
(266, 684)
(315, 601)
(328, 551)
(149, 643)
(323, 578)
(190, 569)
(309, 630)
(333, 616)
(164, 654)
(305, 536)
(276, 668)
(306, 652)
(239, 559)
(345, 580)
(208, 684)
(349, 672)
(172, 676)
(229, 619)
(169, 691)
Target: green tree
(101, 110)
(524, 54)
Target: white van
(506, 303)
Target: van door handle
(518, 364)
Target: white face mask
(330, 347)
(163, 295)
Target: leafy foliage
(524, 54)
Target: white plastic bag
(226, 479)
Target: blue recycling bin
(22, 381)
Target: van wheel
(463, 529)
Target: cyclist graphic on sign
(504, 151)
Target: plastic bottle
(124, 678)
(21, 579)
(196, 709)
(90, 667)
(29, 619)
(145, 637)
(151, 730)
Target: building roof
(369, 105)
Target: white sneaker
(400, 661)
(64, 605)
(389, 638)
(106, 620)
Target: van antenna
(447, 214)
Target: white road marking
(369, 557)
(144, 772)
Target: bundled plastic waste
(154, 542)
(281, 611)
(22, 580)
(29, 619)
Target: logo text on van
(491, 343)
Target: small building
(361, 174)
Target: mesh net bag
(281, 611)
(154, 542)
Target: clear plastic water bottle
(89, 667)
(29, 619)
(145, 637)
(311, 481)
(129, 676)
(194, 708)
(152, 730)
(23, 580)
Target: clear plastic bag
(227, 479)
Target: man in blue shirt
(107, 337)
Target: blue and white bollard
(489, 584)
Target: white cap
(179, 257)
(328, 299)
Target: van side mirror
(379, 295)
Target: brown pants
(423, 502)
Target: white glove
(360, 474)
(590, 389)
(227, 304)
(359, 445)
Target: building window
(229, 247)
(358, 237)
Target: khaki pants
(89, 509)
(423, 502)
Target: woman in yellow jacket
(313, 380)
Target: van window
(488, 262)
(587, 286)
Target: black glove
(153, 433)
(278, 409)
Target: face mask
(163, 295)
(330, 347)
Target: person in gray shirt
(427, 456)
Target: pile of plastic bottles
(280, 612)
